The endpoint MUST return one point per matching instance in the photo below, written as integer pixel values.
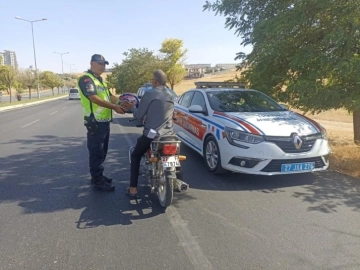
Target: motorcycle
(162, 167)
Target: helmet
(129, 97)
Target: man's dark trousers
(142, 145)
(97, 145)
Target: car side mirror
(196, 109)
(284, 106)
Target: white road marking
(53, 113)
(63, 107)
(30, 123)
(187, 240)
(180, 226)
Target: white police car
(243, 130)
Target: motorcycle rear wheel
(165, 187)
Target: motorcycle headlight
(235, 136)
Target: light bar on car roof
(219, 84)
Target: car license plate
(298, 167)
(170, 161)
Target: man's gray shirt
(157, 105)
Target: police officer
(98, 103)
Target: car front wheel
(212, 156)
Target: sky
(111, 27)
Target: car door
(198, 126)
(181, 115)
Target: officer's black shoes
(99, 183)
(107, 179)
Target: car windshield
(242, 101)
(74, 91)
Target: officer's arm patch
(89, 87)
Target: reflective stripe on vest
(101, 114)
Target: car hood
(270, 123)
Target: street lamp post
(70, 67)
(32, 31)
(62, 66)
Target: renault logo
(297, 141)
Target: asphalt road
(51, 219)
(25, 95)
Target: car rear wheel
(212, 156)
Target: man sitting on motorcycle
(157, 105)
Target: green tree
(50, 79)
(2, 84)
(27, 79)
(136, 68)
(173, 57)
(305, 53)
(8, 76)
(111, 80)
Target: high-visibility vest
(101, 114)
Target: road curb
(14, 107)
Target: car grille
(286, 143)
(275, 164)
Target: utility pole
(62, 67)
(32, 31)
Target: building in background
(199, 70)
(9, 59)
(196, 70)
(226, 66)
(2, 59)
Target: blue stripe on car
(193, 145)
(202, 118)
(232, 121)
(250, 124)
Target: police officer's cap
(98, 58)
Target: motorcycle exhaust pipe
(181, 185)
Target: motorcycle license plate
(170, 161)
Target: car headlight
(234, 136)
(324, 134)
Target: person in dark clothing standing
(98, 103)
(157, 105)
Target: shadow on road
(51, 174)
(324, 191)
(331, 190)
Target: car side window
(180, 99)
(186, 99)
(199, 99)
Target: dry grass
(345, 155)
(189, 83)
(339, 115)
